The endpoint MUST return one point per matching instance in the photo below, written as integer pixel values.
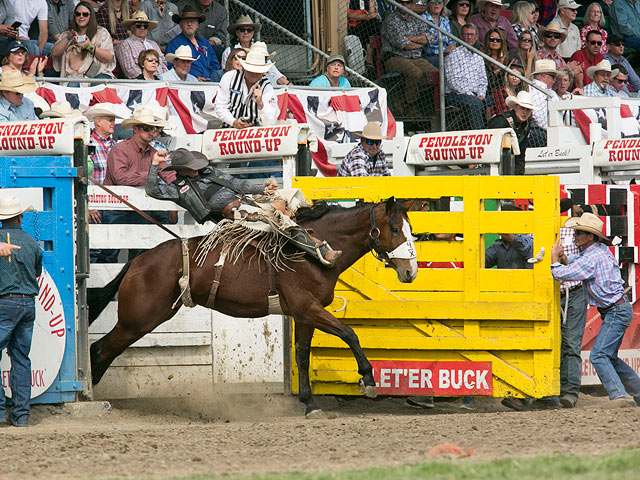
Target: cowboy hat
(15, 81)
(244, 21)
(552, 27)
(493, 2)
(159, 112)
(60, 110)
(588, 222)
(524, 99)
(565, 204)
(544, 66)
(102, 110)
(603, 66)
(10, 207)
(371, 131)
(143, 116)
(188, 13)
(182, 53)
(183, 159)
(139, 17)
(571, 4)
(256, 61)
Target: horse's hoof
(368, 391)
(316, 415)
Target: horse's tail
(99, 298)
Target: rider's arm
(164, 191)
(242, 186)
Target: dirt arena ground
(237, 435)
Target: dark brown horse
(148, 286)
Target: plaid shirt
(395, 31)
(128, 52)
(594, 90)
(547, 11)
(545, 54)
(99, 159)
(567, 239)
(599, 272)
(102, 16)
(358, 163)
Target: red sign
(432, 378)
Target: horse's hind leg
(303, 335)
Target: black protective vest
(194, 200)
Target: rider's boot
(315, 248)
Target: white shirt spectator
(26, 11)
(572, 43)
(266, 116)
(465, 73)
(540, 117)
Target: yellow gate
(509, 318)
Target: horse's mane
(322, 208)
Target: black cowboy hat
(183, 159)
(188, 12)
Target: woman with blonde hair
(111, 15)
(525, 54)
(233, 60)
(594, 20)
(17, 58)
(523, 19)
(512, 85)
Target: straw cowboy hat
(61, 110)
(603, 66)
(188, 13)
(139, 17)
(552, 27)
(524, 99)
(588, 222)
(244, 21)
(181, 53)
(159, 112)
(143, 116)
(544, 66)
(371, 131)
(14, 81)
(182, 159)
(498, 3)
(257, 57)
(10, 207)
(102, 110)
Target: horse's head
(391, 240)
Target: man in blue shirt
(206, 66)
(19, 274)
(13, 106)
(333, 74)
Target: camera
(245, 119)
(81, 38)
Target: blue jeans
(16, 329)
(34, 49)
(472, 106)
(572, 332)
(616, 376)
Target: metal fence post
(443, 117)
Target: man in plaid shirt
(367, 159)
(603, 287)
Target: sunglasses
(495, 40)
(593, 42)
(240, 57)
(436, 1)
(245, 30)
(552, 35)
(464, 4)
(526, 40)
(617, 44)
(149, 128)
(152, 60)
(372, 142)
(144, 26)
(82, 14)
(617, 80)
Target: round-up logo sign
(48, 343)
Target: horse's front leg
(303, 336)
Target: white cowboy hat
(257, 57)
(10, 207)
(15, 81)
(494, 2)
(61, 110)
(588, 222)
(159, 112)
(544, 66)
(371, 131)
(102, 110)
(553, 27)
(524, 99)
(143, 116)
(244, 21)
(603, 66)
(139, 17)
(182, 53)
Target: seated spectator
(333, 74)
(588, 56)
(182, 62)
(85, 50)
(519, 119)
(246, 97)
(60, 15)
(461, 11)
(466, 79)
(129, 50)
(511, 86)
(489, 17)
(625, 22)
(61, 110)
(161, 12)
(525, 54)
(563, 84)
(242, 33)
(567, 11)
(111, 15)
(543, 77)
(615, 52)
(620, 80)
(594, 20)
(26, 12)
(7, 32)
(403, 37)
(364, 23)
(522, 19)
(552, 36)
(216, 20)
(494, 46)
(601, 74)
(434, 15)
(233, 61)
(366, 159)
(17, 59)
(13, 106)
(205, 66)
(149, 61)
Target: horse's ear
(391, 205)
